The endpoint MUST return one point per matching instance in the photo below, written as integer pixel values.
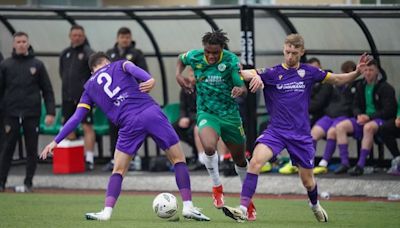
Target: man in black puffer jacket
(124, 48)
(74, 72)
(23, 80)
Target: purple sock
(113, 189)
(344, 154)
(248, 189)
(363, 157)
(313, 195)
(314, 142)
(183, 181)
(329, 149)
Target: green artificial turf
(67, 210)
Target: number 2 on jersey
(106, 87)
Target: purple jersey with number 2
(287, 94)
(117, 94)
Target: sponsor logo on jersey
(199, 66)
(301, 72)
(292, 86)
(214, 79)
(32, 70)
(221, 67)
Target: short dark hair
(20, 33)
(96, 58)
(216, 37)
(373, 62)
(348, 66)
(124, 31)
(314, 60)
(77, 27)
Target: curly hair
(216, 37)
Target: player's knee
(309, 184)
(369, 129)
(331, 133)
(255, 166)
(209, 149)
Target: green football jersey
(214, 82)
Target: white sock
(202, 157)
(243, 209)
(242, 172)
(108, 210)
(187, 204)
(211, 163)
(89, 156)
(323, 163)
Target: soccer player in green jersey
(218, 83)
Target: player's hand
(184, 122)
(256, 83)
(237, 91)
(362, 119)
(147, 86)
(397, 122)
(49, 120)
(48, 150)
(187, 83)
(363, 62)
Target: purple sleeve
(318, 75)
(72, 123)
(82, 109)
(136, 71)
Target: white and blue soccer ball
(165, 205)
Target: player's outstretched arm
(255, 80)
(69, 126)
(341, 79)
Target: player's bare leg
(209, 139)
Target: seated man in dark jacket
(374, 103)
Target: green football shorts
(230, 128)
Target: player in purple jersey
(113, 87)
(287, 89)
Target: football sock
(344, 154)
(313, 195)
(183, 180)
(329, 149)
(201, 157)
(89, 156)
(363, 157)
(248, 189)
(241, 171)
(211, 163)
(113, 189)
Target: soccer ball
(165, 205)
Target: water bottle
(393, 197)
(137, 163)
